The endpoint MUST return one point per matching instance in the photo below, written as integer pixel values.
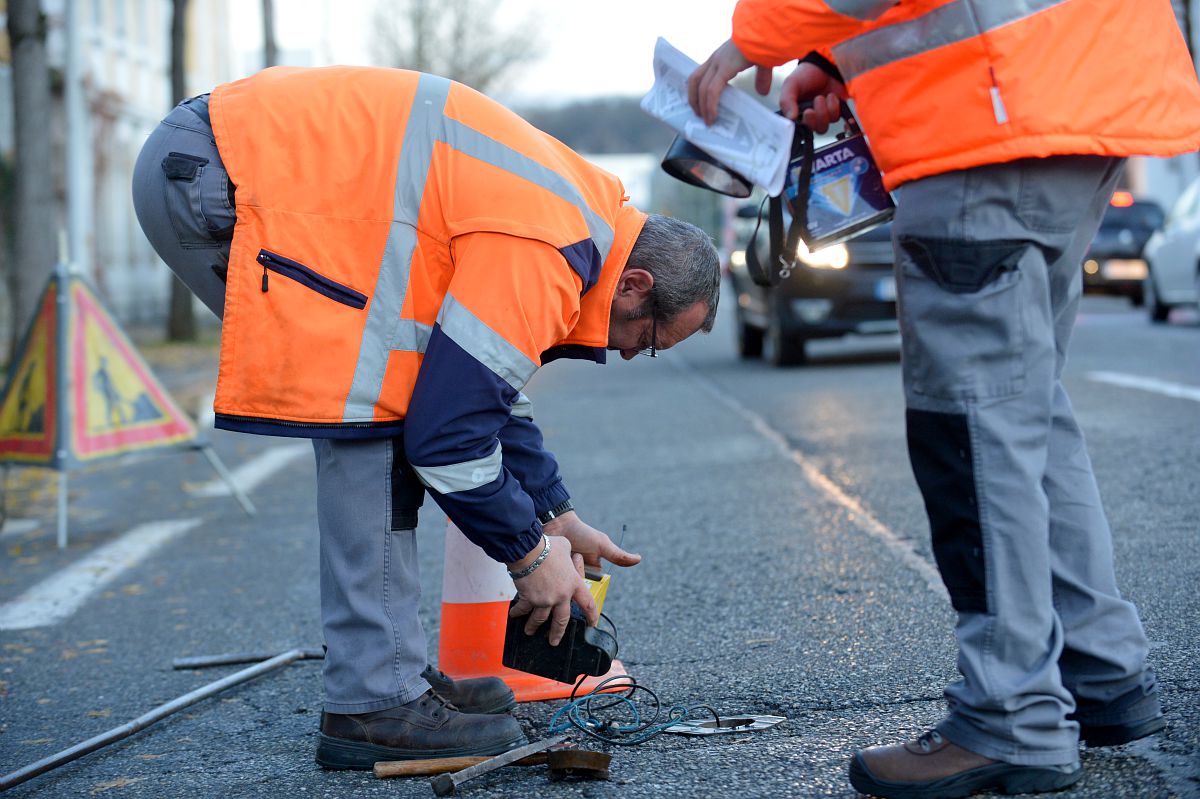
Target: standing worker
(394, 255)
(1002, 126)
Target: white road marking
(255, 471)
(860, 516)
(205, 416)
(1174, 390)
(61, 594)
(19, 526)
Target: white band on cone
(471, 576)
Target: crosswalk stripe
(64, 592)
(1153, 385)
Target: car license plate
(885, 289)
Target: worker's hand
(548, 591)
(710, 78)
(589, 542)
(810, 82)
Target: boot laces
(437, 674)
(929, 740)
(439, 703)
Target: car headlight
(835, 257)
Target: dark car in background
(838, 290)
(1115, 262)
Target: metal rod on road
(234, 658)
(145, 720)
(224, 474)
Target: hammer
(446, 784)
(441, 765)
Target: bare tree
(459, 39)
(270, 52)
(181, 318)
(34, 212)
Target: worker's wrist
(530, 563)
(550, 514)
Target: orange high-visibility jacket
(407, 253)
(941, 85)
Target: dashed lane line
(1153, 385)
(64, 592)
(897, 546)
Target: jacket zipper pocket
(307, 277)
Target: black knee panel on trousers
(939, 448)
(408, 494)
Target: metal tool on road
(145, 720)
(431, 767)
(446, 784)
(725, 724)
(584, 764)
(235, 658)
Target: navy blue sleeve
(452, 437)
(535, 467)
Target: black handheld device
(582, 650)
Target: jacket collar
(588, 339)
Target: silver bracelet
(528, 570)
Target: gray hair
(684, 263)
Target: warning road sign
(118, 405)
(114, 404)
(28, 410)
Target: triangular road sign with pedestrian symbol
(113, 403)
(78, 392)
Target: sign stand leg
(62, 509)
(224, 474)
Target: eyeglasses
(652, 350)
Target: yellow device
(597, 583)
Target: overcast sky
(592, 48)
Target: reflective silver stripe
(462, 476)
(411, 336)
(522, 407)
(471, 142)
(484, 344)
(861, 9)
(944, 25)
(384, 330)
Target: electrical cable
(581, 712)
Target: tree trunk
(181, 319)
(270, 52)
(34, 213)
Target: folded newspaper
(747, 137)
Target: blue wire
(577, 713)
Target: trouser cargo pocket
(196, 194)
(962, 317)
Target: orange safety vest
(941, 85)
(356, 187)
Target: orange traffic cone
(476, 591)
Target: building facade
(125, 65)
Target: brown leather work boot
(428, 726)
(933, 768)
(477, 695)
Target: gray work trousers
(370, 584)
(988, 278)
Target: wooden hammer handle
(441, 765)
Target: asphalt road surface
(787, 571)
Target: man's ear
(635, 284)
